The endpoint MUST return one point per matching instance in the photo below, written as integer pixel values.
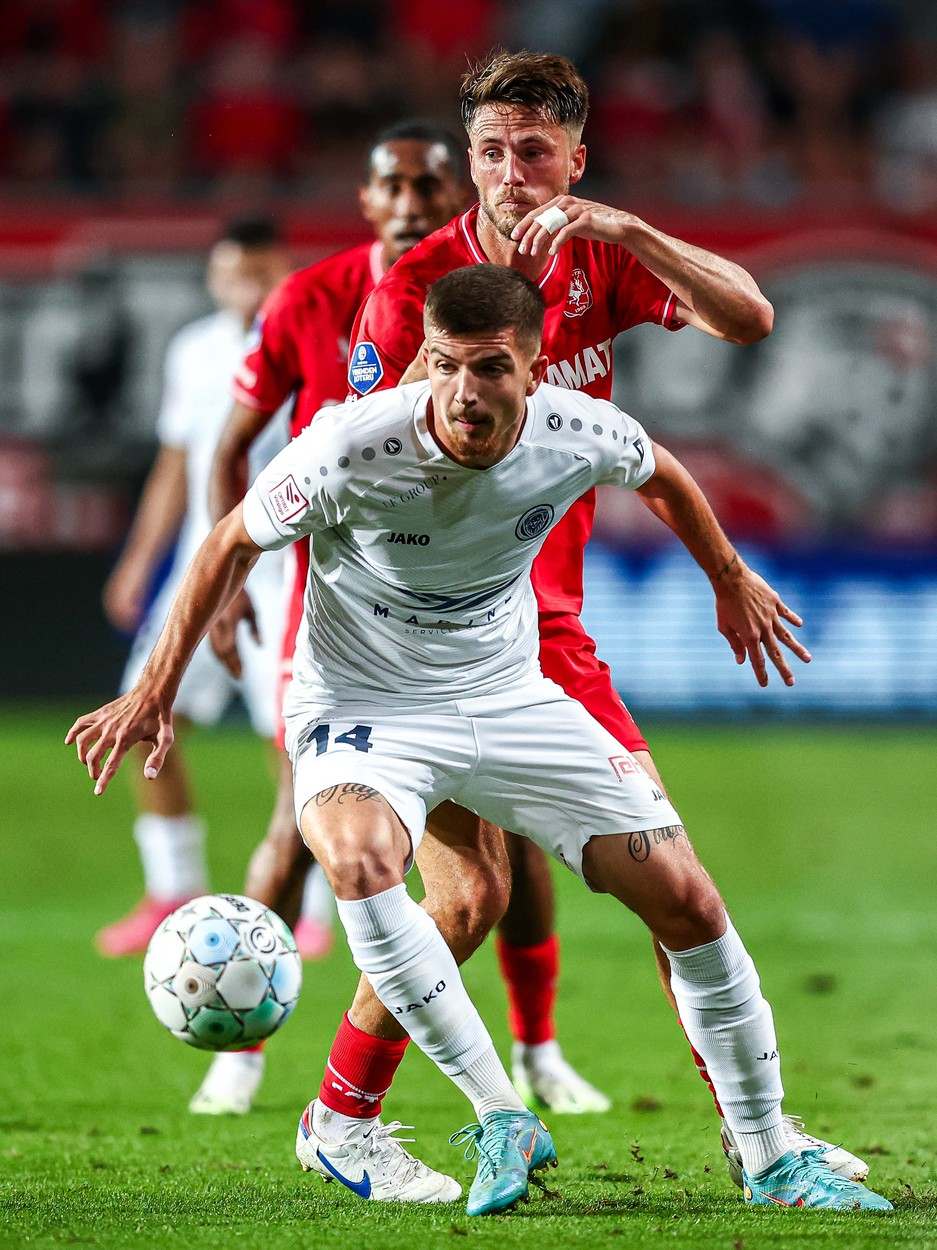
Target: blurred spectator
(52, 55)
(907, 130)
(246, 130)
(701, 102)
(143, 149)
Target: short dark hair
(252, 232)
(551, 85)
(421, 130)
(482, 299)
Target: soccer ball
(222, 972)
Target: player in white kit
(417, 681)
(202, 358)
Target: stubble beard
(505, 222)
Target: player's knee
(361, 865)
(694, 916)
(467, 910)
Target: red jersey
(593, 292)
(299, 343)
(299, 346)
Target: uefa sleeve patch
(365, 370)
(287, 500)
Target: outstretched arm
(713, 294)
(144, 714)
(749, 612)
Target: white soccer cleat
(544, 1079)
(230, 1085)
(836, 1158)
(372, 1163)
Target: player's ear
(538, 369)
(577, 163)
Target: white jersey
(201, 360)
(420, 568)
(200, 363)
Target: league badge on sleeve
(287, 500)
(365, 370)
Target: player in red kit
(601, 271)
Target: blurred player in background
(243, 267)
(601, 271)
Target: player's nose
(409, 202)
(512, 174)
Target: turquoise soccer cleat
(510, 1147)
(805, 1180)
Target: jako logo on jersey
(393, 446)
(590, 363)
(554, 421)
(579, 299)
(365, 370)
(287, 500)
(534, 522)
(410, 540)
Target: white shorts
(207, 687)
(531, 760)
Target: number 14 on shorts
(359, 737)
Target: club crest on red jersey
(579, 299)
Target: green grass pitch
(822, 840)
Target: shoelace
(489, 1155)
(472, 1135)
(389, 1148)
(815, 1165)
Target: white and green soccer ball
(222, 972)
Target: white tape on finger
(552, 219)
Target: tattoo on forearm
(353, 791)
(641, 843)
(714, 577)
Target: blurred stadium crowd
(761, 103)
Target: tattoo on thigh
(642, 842)
(353, 791)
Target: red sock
(256, 1049)
(530, 974)
(704, 1073)
(359, 1072)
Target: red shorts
(567, 656)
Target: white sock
(335, 1126)
(397, 945)
(318, 900)
(730, 1024)
(172, 852)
